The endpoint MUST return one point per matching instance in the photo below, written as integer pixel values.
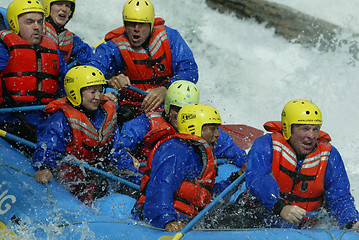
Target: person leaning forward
(30, 67)
(179, 178)
(295, 170)
(146, 54)
(82, 125)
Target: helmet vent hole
(307, 112)
(192, 129)
(316, 112)
(93, 74)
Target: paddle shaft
(137, 90)
(205, 210)
(73, 161)
(22, 109)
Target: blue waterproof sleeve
(337, 186)
(123, 160)
(52, 135)
(226, 148)
(62, 73)
(4, 56)
(259, 180)
(131, 135)
(81, 50)
(183, 63)
(107, 58)
(173, 162)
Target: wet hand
(356, 226)
(174, 226)
(112, 96)
(292, 214)
(154, 98)
(119, 81)
(43, 176)
(242, 170)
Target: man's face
(304, 139)
(172, 116)
(30, 27)
(211, 134)
(91, 97)
(137, 33)
(60, 12)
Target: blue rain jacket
(55, 132)
(263, 185)
(81, 51)
(173, 162)
(108, 58)
(134, 131)
(32, 117)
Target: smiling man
(144, 53)
(296, 170)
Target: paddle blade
(175, 237)
(242, 135)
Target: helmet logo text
(187, 116)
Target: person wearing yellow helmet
(140, 134)
(179, 179)
(30, 67)
(82, 124)
(58, 14)
(146, 54)
(295, 170)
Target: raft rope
(33, 176)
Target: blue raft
(30, 210)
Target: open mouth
(62, 16)
(135, 38)
(307, 145)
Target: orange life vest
(304, 188)
(64, 40)
(88, 144)
(32, 70)
(159, 128)
(146, 69)
(195, 194)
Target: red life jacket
(64, 40)
(145, 68)
(159, 128)
(88, 144)
(304, 188)
(32, 70)
(195, 194)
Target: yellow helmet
(81, 77)
(47, 6)
(181, 93)
(138, 11)
(299, 111)
(18, 7)
(192, 117)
